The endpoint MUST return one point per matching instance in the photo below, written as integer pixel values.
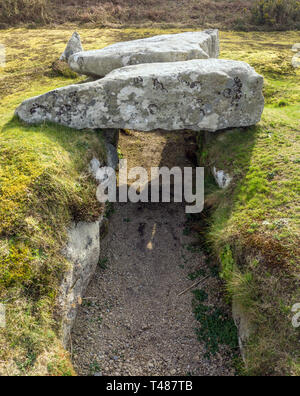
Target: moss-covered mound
(254, 226)
(44, 186)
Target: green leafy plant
(280, 14)
(103, 263)
(216, 327)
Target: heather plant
(278, 14)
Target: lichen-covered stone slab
(196, 95)
(164, 48)
(82, 252)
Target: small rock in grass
(296, 47)
(296, 61)
(222, 178)
(94, 166)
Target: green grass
(44, 186)
(254, 226)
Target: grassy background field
(253, 227)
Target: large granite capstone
(196, 95)
(164, 48)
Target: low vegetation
(44, 185)
(254, 227)
(276, 14)
(216, 326)
(223, 14)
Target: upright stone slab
(73, 46)
(164, 48)
(82, 251)
(196, 95)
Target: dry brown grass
(223, 14)
(23, 11)
(117, 13)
